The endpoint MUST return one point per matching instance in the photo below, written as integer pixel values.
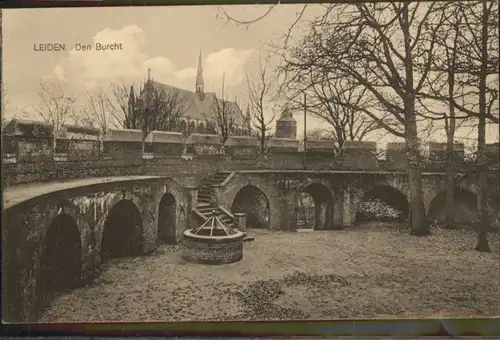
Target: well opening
(213, 242)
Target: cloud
(88, 69)
(230, 62)
(185, 73)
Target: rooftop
(199, 109)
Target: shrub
(377, 209)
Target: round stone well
(213, 243)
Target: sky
(167, 40)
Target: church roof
(198, 109)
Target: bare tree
(222, 116)
(374, 46)
(324, 94)
(260, 92)
(161, 108)
(472, 67)
(478, 59)
(442, 84)
(124, 103)
(97, 111)
(54, 105)
(481, 50)
(320, 134)
(149, 107)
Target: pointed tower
(199, 79)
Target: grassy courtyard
(369, 271)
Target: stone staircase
(204, 204)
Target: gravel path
(365, 272)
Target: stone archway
(61, 259)
(465, 204)
(383, 203)
(255, 204)
(315, 207)
(167, 218)
(122, 234)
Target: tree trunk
(262, 140)
(450, 192)
(482, 181)
(450, 139)
(418, 220)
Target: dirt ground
(365, 272)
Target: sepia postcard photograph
(320, 161)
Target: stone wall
(28, 149)
(124, 157)
(242, 146)
(75, 149)
(359, 155)
(165, 144)
(492, 152)
(203, 144)
(278, 145)
(123, 144)
(438, 154)
(326, 147)
(24, 235)
(395, 154)
(78, 132)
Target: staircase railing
(225, 211)
(228, 178)
(214, 189)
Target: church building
(200, 107)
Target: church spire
(199, 78)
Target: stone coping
(235, 236)
(123, 136)
(199, 138)
(320, 144)
(23, 192)
(242, 141)
(165, 137)
(351, 144)
(283, 143)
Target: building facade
(201, 110)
